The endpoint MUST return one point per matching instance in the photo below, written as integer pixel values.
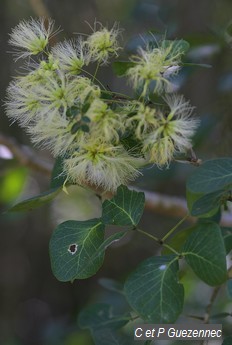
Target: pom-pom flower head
(154, 64)
(103, 43)
(31, 37)
(174, 132)
(102, 165)
(22, 103)
(71, 56)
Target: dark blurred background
(35, 308)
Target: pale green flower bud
(103, 43)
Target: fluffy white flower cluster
(103, 137)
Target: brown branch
(208, 308)
(173, 206)
(167, 205)
(26, 156)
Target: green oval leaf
(209, 204)
(205, 253)
(77, 249)
(73, 111)
(36, 201)
(125, 208)
(153, 290)
(75, 127)
(211, 176)
(74, 249)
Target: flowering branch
(172, 206)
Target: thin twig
(213, 297)
(208, 308)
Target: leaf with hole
(205, 253)
(125, 208)
(36, 201)
(153, 290)
(77, 248)
(74, 249)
